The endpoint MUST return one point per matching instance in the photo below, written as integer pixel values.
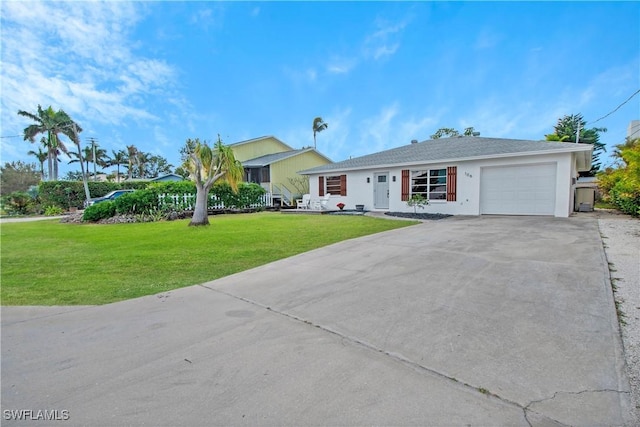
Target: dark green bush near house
(139, 201)
(99, 211)
(248, 194)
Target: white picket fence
(188, 201)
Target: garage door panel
(518, 190)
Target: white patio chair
(321, 204)
(305, 202)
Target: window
(333, 184)
(431, 184)
(336, 185)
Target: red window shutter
(405, 185)
(452, 173)
(321, 186)
(343, 185)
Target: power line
(11, 136)
(617, 108)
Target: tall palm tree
(206, 165)
(318, 126)
(142, 160)
(132, 157)
(42, 157)
(118, 158)
(52, 123)
(87, 154)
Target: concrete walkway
(462, 321)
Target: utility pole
(94, 142)
(578, 131)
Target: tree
(52, 123)
(207, 165)
(450, 132)
(318, 126)
(621, 184)
(566, 130)
(18, 176)
(86, 155)
(118, 158)
(157, 166)
(132, 157)
(42, 157)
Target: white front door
(381, 190)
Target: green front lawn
(50, 263)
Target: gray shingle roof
(452, 149)
(271, 158)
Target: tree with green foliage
(318, 126)
(18, 176)
(207, 165)
(42, 157)
(118, 158)
(620, 184)
(52, 123)
(573, 128)
(451, 132)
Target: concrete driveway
(463, 321)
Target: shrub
(53, 211)
(248, 194)
(417, 201)
(99, 211)
(18, 203)
(139, 201)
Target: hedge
(66, 194)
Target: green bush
(248, 194)
(139, 201)
(53, 211)
(99, 211)
(19, 203)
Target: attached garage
(518, 190)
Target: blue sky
(153, 74)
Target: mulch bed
(432, 216)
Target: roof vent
(414, 141)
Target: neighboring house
(460, 176)
(273, 164)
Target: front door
(381, 190)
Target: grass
(51, 263)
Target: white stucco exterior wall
(359, 191)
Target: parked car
(109, 196)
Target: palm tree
(132, 156)
(142, 159)
(318, 126)
(42, 156)
(118, 158)
(52, 123)
(206, 165)
(86, 155)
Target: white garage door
(518, 190)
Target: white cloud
(383, 41)
(78, 56)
